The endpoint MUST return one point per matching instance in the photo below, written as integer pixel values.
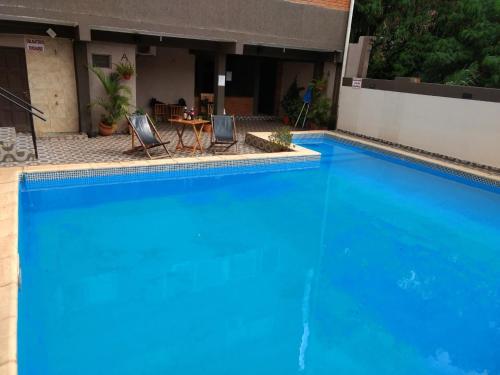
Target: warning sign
(357, 83)
(36, 45)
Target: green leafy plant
(440, 41)
(319, 113)
(465, 77)
(117, 99)
(292, 102)
(139, 112)
(281, 138)
(125, 69)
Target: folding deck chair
(223, 132)
(143, 128)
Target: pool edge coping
(470, 173)
(9, 268)
(9, 189)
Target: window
(101, 61)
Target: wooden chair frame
(161, 111)
(143, 146)
(225, 144)
(175, 111)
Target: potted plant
(292, 103)
(281, 139)
(115, 103)
(319, 113)
(125, 69)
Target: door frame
(28, 98)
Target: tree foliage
(442, 41)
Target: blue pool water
(364, 265)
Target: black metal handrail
(21, 103)
(21, 100)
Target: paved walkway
(80, 149)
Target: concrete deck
(71, 149)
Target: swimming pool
(364, 264)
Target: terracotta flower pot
(207, 128)
(127, 77)
(105, 129)
(286, 120)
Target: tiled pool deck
(104, 156)
(80, 149)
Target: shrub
(282, 138)
(292, 102)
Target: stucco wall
(51, 77)
(258, 22)
(329, 75)
(116, 51)
(358, 57)
(167, 77)
(464, 129)
(303, 72)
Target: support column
(256, 86)
(83, 88)
(219, 91)
(319, 67)
(335, 95)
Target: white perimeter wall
(460, 128)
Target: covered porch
(207, 76)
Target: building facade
(180, 49)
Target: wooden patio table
(196, 125)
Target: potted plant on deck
(115, 103)
(125, 69)
(319, 113)
(292, 103)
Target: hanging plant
(125, 69)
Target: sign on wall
(222, 80)
(357, 83)
(36, 45)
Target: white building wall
(116, 51)
(460, 128)
(51, 80)
(168, 76)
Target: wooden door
(14, 77)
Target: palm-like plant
(117, 99)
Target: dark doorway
(204, 74)
(267, 87)
(14, 77)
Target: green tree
(442, 41)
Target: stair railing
(27, 107)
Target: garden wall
(460, 122)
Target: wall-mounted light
(51, 33)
